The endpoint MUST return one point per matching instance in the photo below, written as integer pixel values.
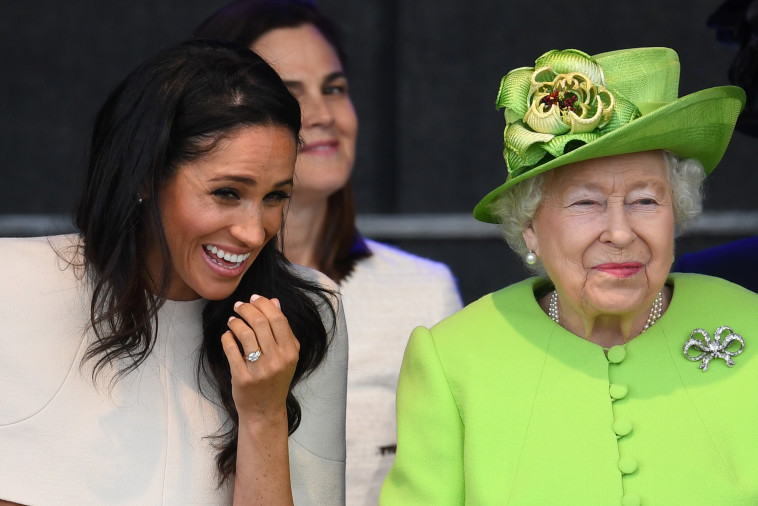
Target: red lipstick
(622, 270)
(320, 148)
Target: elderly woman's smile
(620, 270)
(604, 233)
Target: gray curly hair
(516, 206)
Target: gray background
(424, 76)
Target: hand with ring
(261, 375)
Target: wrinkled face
(605, 233)
(312, 71)
(220, 210)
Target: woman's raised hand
(261, 376)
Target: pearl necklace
(655, 311)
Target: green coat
(499, 405)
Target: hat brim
(698, 126)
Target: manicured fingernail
(276, 303)
(255, 297)
(237, 304)
(231, 318)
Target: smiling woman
(605, 236)
(386, 292)
(313, 73)
(219, 211)
(577, 386)
(199, 365)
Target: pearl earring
(139, 198)
(531, 258)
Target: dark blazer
(735, 261)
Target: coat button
(627, 465)
(622, 427)
(616, 354)
(631, 500)
(618, 391)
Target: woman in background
(164, 354)
(386, 292)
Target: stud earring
(139, 198)
(531, 258)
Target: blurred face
(312, 71)
(605, 233)
(220, 210)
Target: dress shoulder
(44, 315)
(515, 300)
(390, 258)
(313, 275)
(423, 288)
(710, 289)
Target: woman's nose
(249, 230)
(618, 227)
(316, 112)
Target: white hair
(516, 207)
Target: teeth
(229, 257)
(226, 266)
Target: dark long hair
(172, 109)
(244, 21)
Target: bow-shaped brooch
(716, 347)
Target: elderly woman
(604, 380)
(164, 354)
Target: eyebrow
(656, 186)
(249, 181)
(649, 183)
(298, 85)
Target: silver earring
(139, 198)
(531, 258)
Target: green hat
(572, 106)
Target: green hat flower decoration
(572, 107)
(562, 99)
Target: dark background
(423, 73)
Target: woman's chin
(618, 299)
(630, 307)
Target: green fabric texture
(499, 405)
(572, 107)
